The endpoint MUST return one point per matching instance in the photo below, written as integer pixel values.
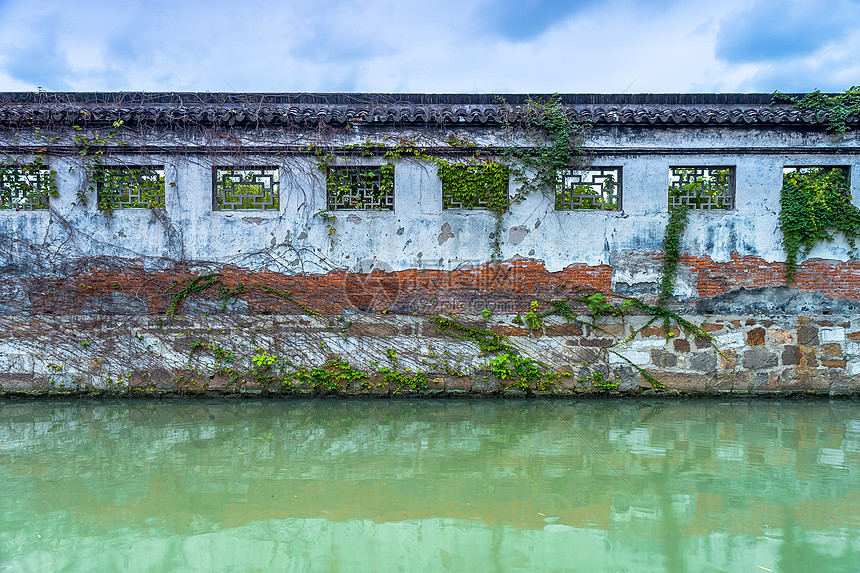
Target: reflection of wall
(710, 480)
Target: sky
(440, 46)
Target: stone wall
(226, 355)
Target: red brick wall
(506, 287)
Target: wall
(93, 302)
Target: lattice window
(247, 188)
(483, 186)
(25, 187)
(706, 188)
(360, 187)
(594, 188)
(130, 187)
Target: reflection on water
(430, 486)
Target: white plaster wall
(418, 233)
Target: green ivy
(815, 204)
(561, 147)
(671, 252)
(482, 186)
(487, 341)
(201, 284)
(837, 107)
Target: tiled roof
(276, 110)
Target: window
(246, 188)
(130, 187)
(705, 188)
(360, 187)
(814, 171)
(25, 187)
(593, 188)
(483, 186)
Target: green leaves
(815, 204)
(671, 251)
(837, 107)
(484, 185)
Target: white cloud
(387, 45)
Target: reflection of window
(593, 188)
(246, 188)
(25, 187)
(813, 171)
(483, 186)
(130, 187)
(360, 187)
(706, 188)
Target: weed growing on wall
(837, 107)
(816, 203)
(671, 252)
(559, 146)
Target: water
(411, 485)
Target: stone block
(755, 337)
(807, 335)
(711, 327)
(807, 358)
(614, 329)
(758, 358)
(779, 336)
(728, 360)
(841, 383)
(657, 332)
(458, 384)
(505, 330)
(581, 354)
(853, 335)
(735, 339)
(636, 357)
(663, 359)
(831, 350)
(564, 330)
(833, 363)
(790, 380)
(596, 342)
(730, 382)
(377, 329)
(681, 381)
(628, 378)
(704, 361)
(681, 345)
(834, 334)
(789, 355)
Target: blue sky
(479, 46)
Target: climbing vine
(536, 168)
(816, 203)
(837, 107)
(671, 252)
(470, 186)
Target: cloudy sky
(613, 46)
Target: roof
(279, 110)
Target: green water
(410, 485)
